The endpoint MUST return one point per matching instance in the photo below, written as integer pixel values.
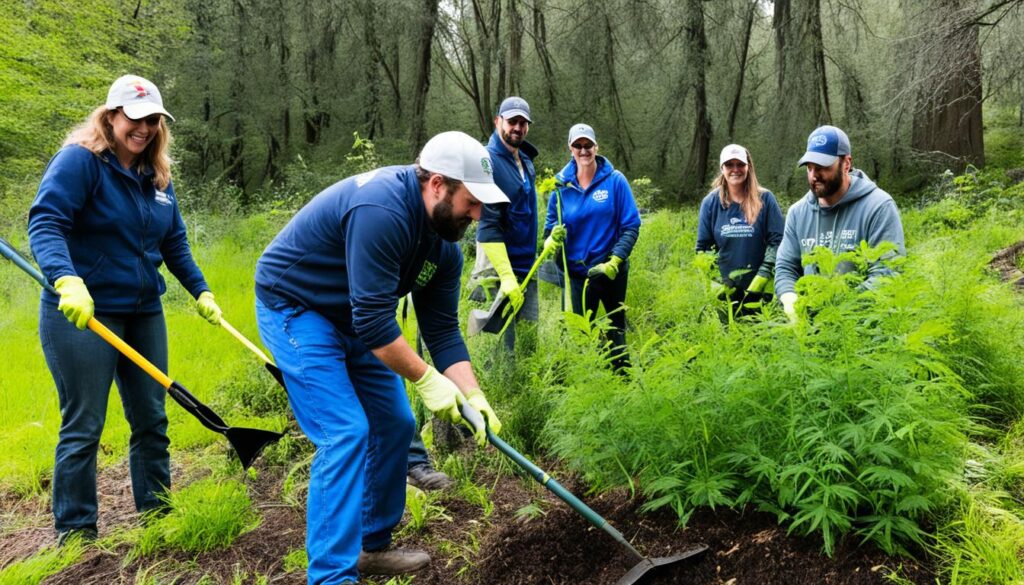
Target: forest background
(268, 93)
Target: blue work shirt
(740, 246)
(113, 228)
(515, 222)
(357, 248)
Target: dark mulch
(556, 546)
(1005, 261)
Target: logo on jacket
(734, 220)
(426, 273)
(600, 195)
(162, 198)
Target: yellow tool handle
(101, 330)
(245, 341)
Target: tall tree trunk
(748, 25)
(624, 145)
(374, 62)
(696, 169)
(947, 120)
(417, 126)
(540, 43)
(515, 51)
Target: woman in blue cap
(599, 225)
(103, 221)
(743, 223)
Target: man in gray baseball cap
(842, 208)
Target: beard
(513, 140)
(827, 189)
(444, 222)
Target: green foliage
(49, 561)
(423, 509)
(296, 561)
(205, 515)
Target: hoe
(645, 567)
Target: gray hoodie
(864, 213)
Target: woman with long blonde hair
(104, 220)
(743, 223)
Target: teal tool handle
(12, 254)
(474, 418)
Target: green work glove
(788, 301)
(554, 240)
(718, 289)
(478, 401)
(440, 395)
(610, 268)
(75, 300)
(757, 284)
(509, 287)
(207, 307)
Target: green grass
(49, 561)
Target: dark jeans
(611, 294)
(83, 367)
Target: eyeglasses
(583, 146)
(518, 121)
(150, 121)
(735, 165)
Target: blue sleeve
(492, 221)
(63, 192)
(884, 226)
(706, 225)
(775, 223)
(788, 263)
(629, 218)
(177, 253)
(437, 311)
(375, 242)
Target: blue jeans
(355, 411)
(83, 367)
(611, 294)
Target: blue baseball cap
(514, 106)
(825, 145)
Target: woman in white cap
(601, 225)
(103, 221)
(743, 223)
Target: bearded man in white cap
(327, 290)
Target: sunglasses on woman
(150, 121)
(583, 146)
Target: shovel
(492, 320)
(247, 443)
(644, 568)
(267, 363)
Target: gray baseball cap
(825, 145)
(581, 131)
(514, 106)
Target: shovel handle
(245, 341)
(129, 352)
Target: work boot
(395, 561)
(425, 477)
(83, 535)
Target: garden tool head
(647, 568)
(491, 320)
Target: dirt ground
(551, 546)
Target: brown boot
(425, 477)
(393, 561)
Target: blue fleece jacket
(865, 213)
(601, 221)
(515, 222)
(112, 227)
(740, 246)
(357, 248)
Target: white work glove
(788, 301)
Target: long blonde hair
(753, 202)
(97, 135)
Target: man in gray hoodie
(843, 208)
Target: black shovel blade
(497, 321)
(196, 408)
(648, 568)
(249, 443)
(276, 373)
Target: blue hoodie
(600, 222)
(740, 246)
(358, 247)
(864, 213)
(515, 222)
(112, 227)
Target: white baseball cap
(458, 156)
(733, 152)
(138, 97)
(581, 131)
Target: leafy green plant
(49, 561)
(296, 561)
(423, 509)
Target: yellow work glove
(207, 308)
(498, 256)
(554, 239)
(478, 401)
(788, 301)
(610, 268)
(758, 284)
(440, 395)
(75, 300)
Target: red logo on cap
(140, 92)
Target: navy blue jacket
(515, 222)
(740, 246)
(357, 248)
(112, 227)
(600, 222)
